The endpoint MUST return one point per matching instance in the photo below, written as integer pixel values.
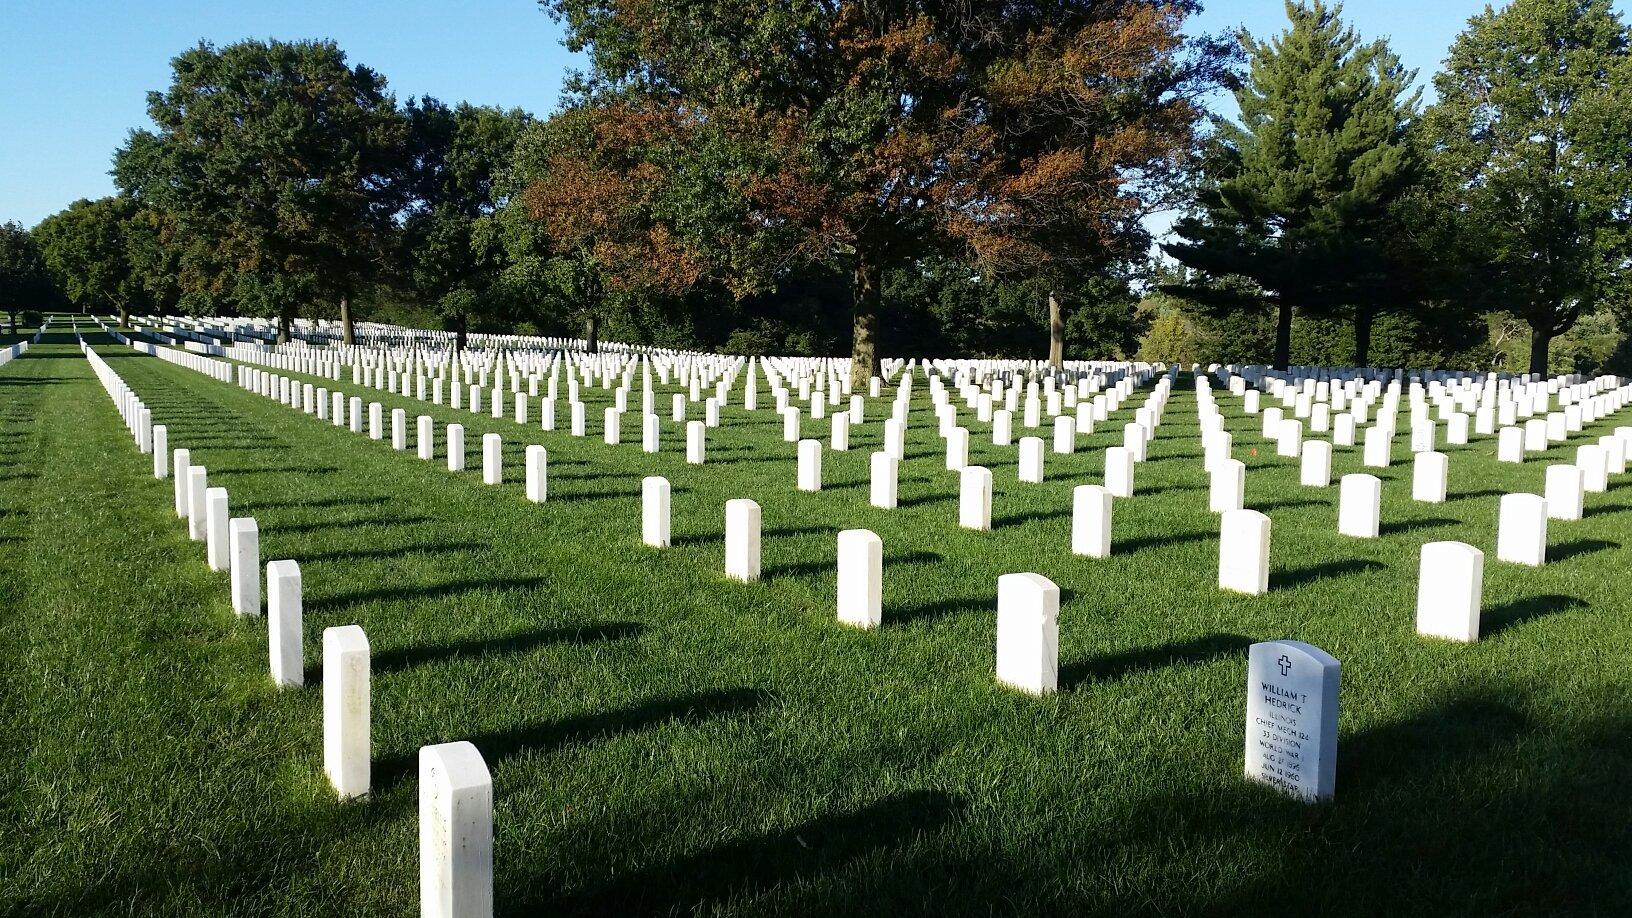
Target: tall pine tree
(1298, 194)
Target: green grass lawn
(664, 740)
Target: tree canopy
(24, 282)
(739, 140)
(1533, 140)
(86, 248)
(279, 164)
(1299, 195)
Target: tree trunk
(124, 315)
(865, 293)
(13, 314)
(285, 319)
(461, 331)
(348, 331)
(1540, 341)
(1362, 336)
(1056, 332)
(592, 334)
(1283, 337)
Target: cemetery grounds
(664, 740)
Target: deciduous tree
(279, 164)
(738, 140)
(1533, 139)
(87, 250)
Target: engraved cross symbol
(1285, 663)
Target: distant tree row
(909, 179)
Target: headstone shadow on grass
(1497, 618)
(497, 746)
(752, 864)
(1203, 649)
(1567, 550)
(1303, 576)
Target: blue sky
(74, 74)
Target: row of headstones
(9, 354)
(1291, 720)
(455, 784)
(1291, 755)
(1091, 529)
(1244, 542)
(397, 336)
(1491, 405)
(1359, 501)
(1595, 462)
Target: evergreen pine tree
(1299, 193)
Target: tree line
(906, 179)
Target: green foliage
(449, 259)
(280, 166)
(735, 143)
(1533, 140)
(1171, 338)
(1298, 194)
(24, 280)
(87, 250)
(939, 306)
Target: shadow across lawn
(1316, 572)
(499, 745)
(1564, 551)
(1498, 618)
(520, 642)
(1175, 653)
(338, 601)
(402, 551)
(933, 609)
(805, 568)
(750, 864)
(1133, 546)
(315, 503)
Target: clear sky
(74, 74)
